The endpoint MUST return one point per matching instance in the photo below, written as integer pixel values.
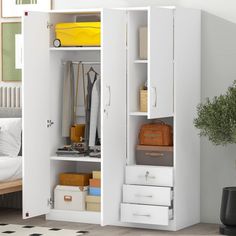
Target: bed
(10, 168)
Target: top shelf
(75, 49)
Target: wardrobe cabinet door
(160, 66)
(35, 114)
(114, 112)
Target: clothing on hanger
(95, 114)
(90, 84)
(68, 99)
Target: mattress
(10, 168)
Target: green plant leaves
(217, 118)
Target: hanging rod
(84, 62)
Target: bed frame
(15, 185)
(10, 187)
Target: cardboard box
(96, 183)
(74, 179)
(93, 203)
(96, 174)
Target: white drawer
(147, 195)
(150, 175)
(157, 215)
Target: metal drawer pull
(139, 195)
(135, 214)
(154, 154)
(147, 176)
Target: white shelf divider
(75, 158)
(141, 61)
(75, 49)
(138, 113)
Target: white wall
(1, 21)
(218, 166)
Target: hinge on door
(50, 202)
(49, 123)
(49, 25)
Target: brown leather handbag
(156, 134)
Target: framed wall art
(11, 51)
(15, 8)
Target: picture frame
(15, 8)
(11, 51)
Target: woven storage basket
(143, 100)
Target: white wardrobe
(173, 73)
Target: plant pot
(228, 211)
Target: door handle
(155, 100)
(108, 104)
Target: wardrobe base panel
(87, 217)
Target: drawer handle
(154, 154)
(67, 198)
(135, 214)
(147, 176)
(139, 195)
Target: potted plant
(217, 120)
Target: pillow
(10, 136)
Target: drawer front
(147, 195)
(155, 158)
(158, 215)
(150, 175)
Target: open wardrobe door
(36, 164)
(160, 67)
(114, 112)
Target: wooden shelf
(138, 113)
(88, 217)
(75, 49)
(75, 158)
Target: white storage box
(70, 198)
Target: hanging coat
(95, 114)
(88, 106)
(68, 99)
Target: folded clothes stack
(93, 200)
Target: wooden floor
(14, 217)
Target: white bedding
(10, 168)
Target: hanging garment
(90, 84)
(95, 114)
(77, 130)
(68, 99)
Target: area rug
(28, 230)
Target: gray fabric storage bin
(154, 155)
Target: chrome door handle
(109, 98)
(155, 101)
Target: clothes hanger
(92, 70)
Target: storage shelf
(89, 217)
(141, 61)
(138, 113)
(75, 158)
(75, 49)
